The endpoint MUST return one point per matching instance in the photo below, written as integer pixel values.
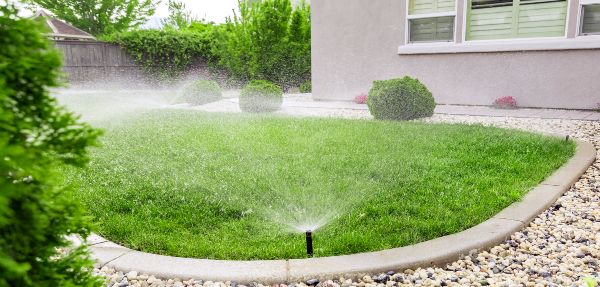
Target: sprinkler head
(309, 243)
(568, 137)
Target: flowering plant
(506, 103)
(361, 99)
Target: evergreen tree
(36, 135)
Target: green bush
(267, 40)
(164, 54)
(400, 99)
(306, 87)
(201, 92)
(261, 96)
(36, 137)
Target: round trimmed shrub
(201, 92)
(400, 100)
(306, 87)
(261, 96)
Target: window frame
(464, 22)
(579, 32)
(409, 17)
(571, 41)
(518, 2)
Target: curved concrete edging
(436, 252)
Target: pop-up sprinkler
(309, 243)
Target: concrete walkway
(518, 113)
(304, 105)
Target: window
(431, 20)
(505, 19)
(590, 19)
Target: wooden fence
(88, 63)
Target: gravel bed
(561, 247)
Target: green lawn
(217, 186)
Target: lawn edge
(435, 252)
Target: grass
(191, 184)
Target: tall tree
(100, 17)
(179, 16)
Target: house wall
(357, 41)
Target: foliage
(261, 96)
(590, 282)
(241, 179)
(400, 99)
(179, 16)
(201, 92)
(506, 103)
(361, 99)
(163, 53)
(100, 17)
(306, 87)
(267, 40)
(298, 69)
(214, 35)
(36, 135)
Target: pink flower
(361, 99)
(505, 103)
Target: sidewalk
(304, 105)
(302, 101)
(518, 113)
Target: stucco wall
(356, 42)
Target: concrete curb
(436, 252)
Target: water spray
(309, 243)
